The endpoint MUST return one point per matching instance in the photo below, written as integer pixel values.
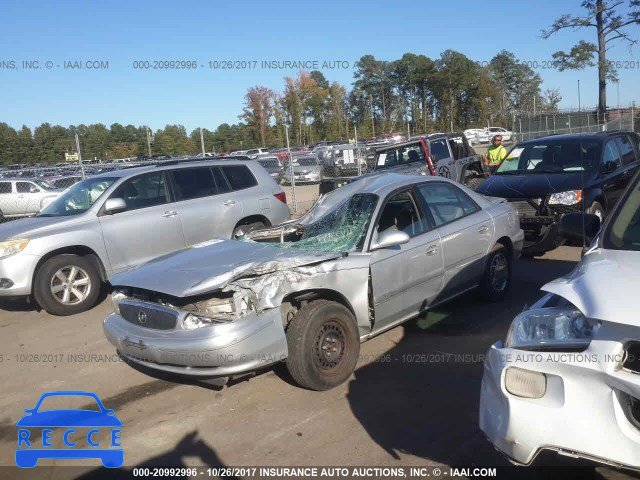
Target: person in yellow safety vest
(495, 153)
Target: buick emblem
(142, 317)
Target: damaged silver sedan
(364, 259)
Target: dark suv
(547, 177)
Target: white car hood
(603, 286)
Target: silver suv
(118, 220)
(25, 196)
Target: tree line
(413, 94)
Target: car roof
(385, 183)
(172, 164)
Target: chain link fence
(527, 125)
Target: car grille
(526, 208)
(148, 315)
(632, 357)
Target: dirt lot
(404, 405)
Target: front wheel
(323, 344)
(67, 284)
(496, 279)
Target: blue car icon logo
(73, 427)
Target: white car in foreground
(567, 377)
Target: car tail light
(281, 196)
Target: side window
(221, 182)
(192, 183)
(239, 177)
(439, 150)
(26, 187)
(626, 149)
(143, 191)
(401, 213)
(611, 154)
(635, 140)
(5, 187)
(446, 203)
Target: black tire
(597, 209)
(496, 279)
(474, 182)
(246, 227)
(86, 280)
(324, 345)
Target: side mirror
(581, 227)
(33, 189)
(390, 238)
(114, 205)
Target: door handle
(483, 229)
(432, 250)
(169, 213)
(229, 203)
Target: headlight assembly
(566, 198)
(9, 247)
(193, 320)
(564, 327)
(116, 297)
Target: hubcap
(70, 285)
(499, 272)
(329, 345)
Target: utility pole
(293, 180)
(80, 156)
(202, 142)
(149, 140)
(357, 151)
(373, 127)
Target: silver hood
(212, 265)
(603, 286)
(34, 226)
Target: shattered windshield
(342, 229)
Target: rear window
(193, 183)
(268, 163)
(239, 177)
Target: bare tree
(609, 23)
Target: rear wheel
(67, 284)
(323, 344)
(496, 280)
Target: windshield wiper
(510, 172)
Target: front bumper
(16, 274)
(244, 345)
(583, 413)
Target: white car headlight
(551, 327)
(9, 247)
(566, 198)
(192, 321)
(116, 297)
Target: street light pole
(293, 180)
(80, 156)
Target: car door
(466, 232)
(613, 176)
(408, 278)
(200, 203)
(442, 158)
(7, 199)
(627, 157)
(26, 192)
(148, 228)
(246, 197)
